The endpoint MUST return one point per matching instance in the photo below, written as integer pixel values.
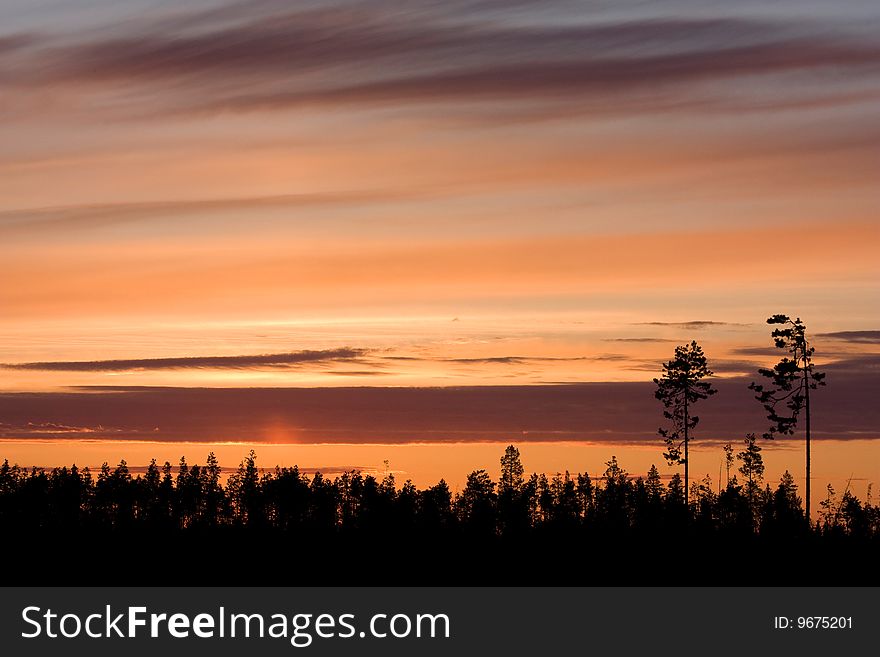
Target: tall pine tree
(680, 387)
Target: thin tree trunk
(686, 460)
(807, 409)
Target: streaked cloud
(861, 337)
(111, 214)
(758, 351)
(291, 359)
(520, 360)
(361, 54)
(693, 324)
(856, 368)
(13, 42)
(599, 76)
(639, 340)
(196, 362)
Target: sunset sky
(468, 194)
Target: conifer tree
(752, 468)
(679, 388)
(790, 381)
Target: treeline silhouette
(368, 529)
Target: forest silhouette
(69, 523)
(197, 523)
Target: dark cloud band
(583, 412)
(196, 362)
(861, 337)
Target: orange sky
(356, 194)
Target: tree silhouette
(586, 493)
(435, 508)
(565, 503)
(511, 470)
(791, 379)
(829, 507)
(728, 461)
(787, 513)
(513, 513)
(679, 388)
(244, 490)
(653, 484)
(752, 468)
(612, 504)
(212, 490)
(476, 503)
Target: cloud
(849, 360)
(584, 79)
(758, 351)
(280, 360)
(493, 360)
(358, 373)
(288, 43)
(594, 412)
(272, 58)
(40, 428)
(854, 368)
(695, 324)
(14, 42)
(729, 366)
(861, 337)
(842, 363)
(97, 215)
(511, 360)
(638, 340)
(196, 362)
(722, 366)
